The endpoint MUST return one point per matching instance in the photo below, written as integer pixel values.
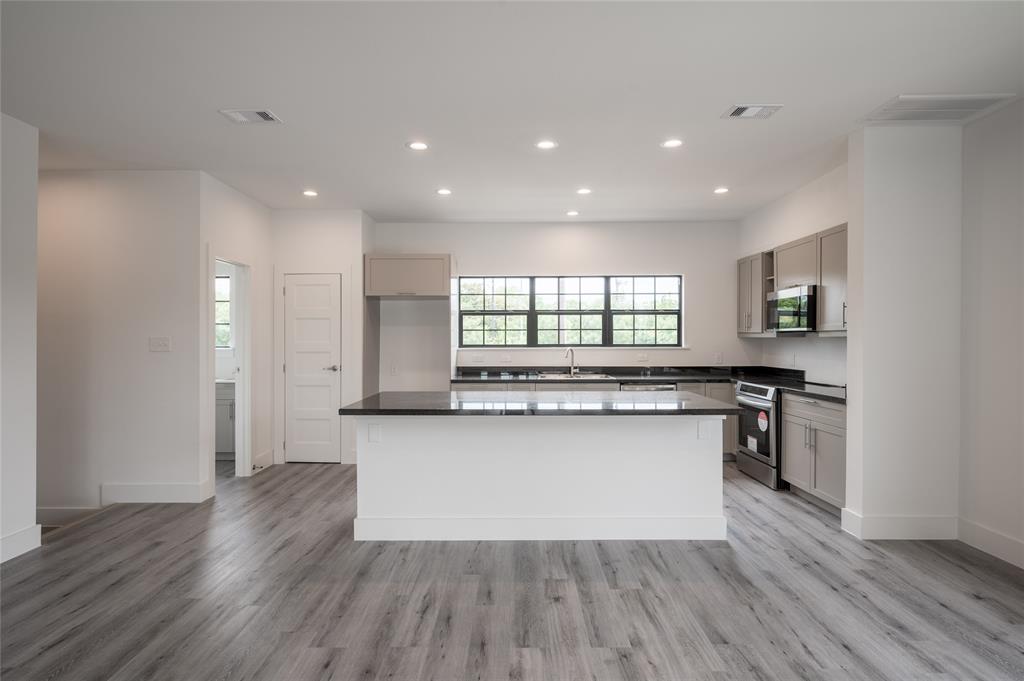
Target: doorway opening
(232, 371)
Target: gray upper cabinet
(832, 279)
(408, 274)
(750, 304)
(796, 263)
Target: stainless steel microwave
(793, 309)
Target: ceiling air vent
(247, 116)
(752, 111)
(937, 107)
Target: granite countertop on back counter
(528, 403)
(788, 380)
(591, 375)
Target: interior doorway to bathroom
(231, 370)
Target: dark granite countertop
(821, 391)
(528, 403)
(617, 374)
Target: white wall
(904, 383)
(236, 228)
(816, 206)
(324, 242)
(118, 264)
(19, 146)
(704, 253)
(992, 458)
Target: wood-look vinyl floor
(265, 582)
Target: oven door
(757, 429)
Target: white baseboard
(155, 492)
(994, 542)
(62, 515)
(898, 526)
(264, 460)
(19, 542)
(516, 529)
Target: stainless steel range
(759, 447)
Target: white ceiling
(138, 85)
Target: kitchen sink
(567, 376)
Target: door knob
(333, 367)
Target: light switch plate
(718, 358)
(159, 344)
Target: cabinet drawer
(822, 411)
(479, 386)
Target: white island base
(539, 477)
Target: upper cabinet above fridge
(408, 274)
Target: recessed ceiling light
(309, 192)
(418, 146)
(572, 213)
(547, 144)
(721, 190)
(583, 191)
(444, 191)
(672, 143)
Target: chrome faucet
(571, 354)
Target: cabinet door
(699, 388)
(225, 426)
(796, 451)
(755, 322)
(743, 303)
(726, 392)
(474, 387)
(832, 282)
(796, 263)
(828, 445)
(407, 275)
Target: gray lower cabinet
(482, 386)
(575, 387)
(796, 451)
(699, 388)
(814, 447)
(224, 426)
(828, 473)
(726, 392)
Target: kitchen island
(466, 465)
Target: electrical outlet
(641, 357)
(718, 358)
(394, 369)
(159, 344)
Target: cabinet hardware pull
(807, 443)
(844, 313)
(804, 399)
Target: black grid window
(222, 311)
(554, 311)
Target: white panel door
(312, 304)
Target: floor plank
(265, 582)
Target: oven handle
(749, 402)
